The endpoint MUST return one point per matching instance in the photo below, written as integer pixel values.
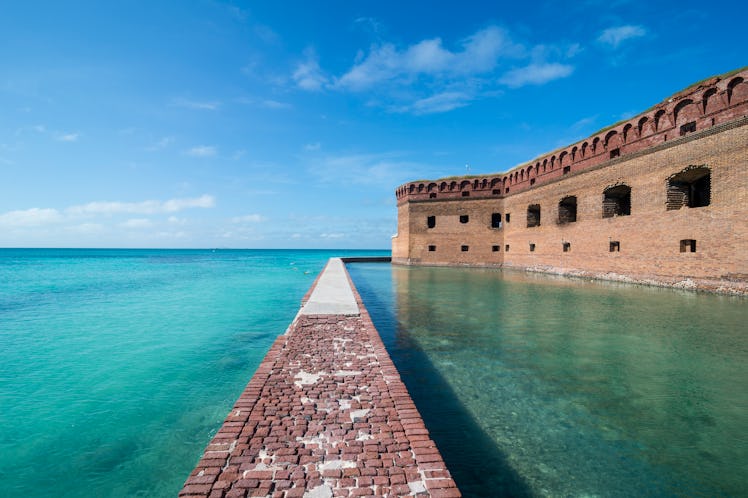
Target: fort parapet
(658, 198)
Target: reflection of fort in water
(658, 198)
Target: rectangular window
(532, 181)
(615, 153)
(432, 248)
(688, 245)
(532, 247)
(507, 190)
(466, 194)
(496, 191)
(464, 248)
(494, 248)
(496, 220)
(615, 246)
(432, 195)
(506, 248)
(507, 217)
(431, 221)
(688, 128)
(567, 246)
(567, 170)
(464, 218)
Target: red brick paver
(325, 415)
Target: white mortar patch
(346, 373)
(323, 491)
(417, 487)
(359, 413)
(336, 465)
(307, 378)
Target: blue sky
(290, 124)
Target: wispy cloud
(67, 137)
(137, 223)
(30, 217)
(196, 104)
(202, 151)
(384, 169)
(161, 144)
(430, 76)
(614, 36)
(144, 207)
(308, 74)
(536, 74)
(248, 218)
(312, 147)
(275, 104)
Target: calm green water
(117, 367)
(542, 386)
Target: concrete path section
(325, 415)
(332, 295)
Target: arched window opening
(617, 201)
(690, 188)
(567, 210)
(736, 89)
(533, 215)
(627, 132)
(659, 120)
(642, 122)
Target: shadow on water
(477, 465)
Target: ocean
(118, 366)
(535, 385)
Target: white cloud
(480, 53)
(67, 137)
(30, 217)
(249, 218)
(196, 104)
(144, 207)
(137, 223)
(202, 151)
(312, 147)
(536, 74)
(161, 144)
(308, 75)
(441, 102)
(617, 35)
(368, 169)
(275, 104)
(332, 235)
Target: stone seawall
(325, 414)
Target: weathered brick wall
(649, 238)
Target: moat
(541, 386)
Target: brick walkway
(326, 414)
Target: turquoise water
(118, 366)
(541, 386)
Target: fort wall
(659, 198)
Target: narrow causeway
(326, 414)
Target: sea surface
(118, 366)
(535, 385)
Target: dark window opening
(615, 153)
(464, 248)
(688, 128)
(507, 190)
(464, 218)
(533, 215)
(617, 201)
(431, 221)
(506, 248)
(494, 248)
(688, 245)
(567, 246)
(496, 191)
(507, 217)
(691, 188)
(496, 220)
(567, 210)
(432, 195)
(532, 181)
(466, 194)
(432, 248)
(567, 170)
(532, 247)
(615, 246)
